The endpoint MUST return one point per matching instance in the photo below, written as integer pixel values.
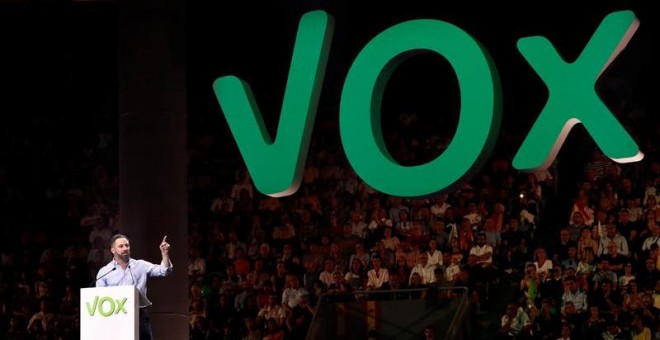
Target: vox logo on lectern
(106, 306)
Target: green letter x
(573, 98)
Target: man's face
(293, 281)
(612, 328)
(577, 219)
(611, 230)
(651, 201)
(336, 276)
(329, 265)
(121, 248)
(272, 300)
(481, 240)
(570, 308)
(531, 270)
(650, 265)
(568, 285)
(572, 251)
(655, 230)
(511, 310)
(348, 229)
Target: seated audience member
(515, 324)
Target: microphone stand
(102, 276)
(143, 299)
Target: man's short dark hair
(115, 238)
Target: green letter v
(276, 166)
(91, 309)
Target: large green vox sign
(276, 165)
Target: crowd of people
(59, 209)
(258, 265)
(600, 276)
(597, 275)
(585, 267)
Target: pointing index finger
(164, 239)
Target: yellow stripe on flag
(340, 313)
(372, 315)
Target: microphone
(102, 276)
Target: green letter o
(112, 306)
(478, 124)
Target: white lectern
(109, 313)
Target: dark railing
(459, 328)
(394, 314)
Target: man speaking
(125, 271)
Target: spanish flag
(373, 315)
